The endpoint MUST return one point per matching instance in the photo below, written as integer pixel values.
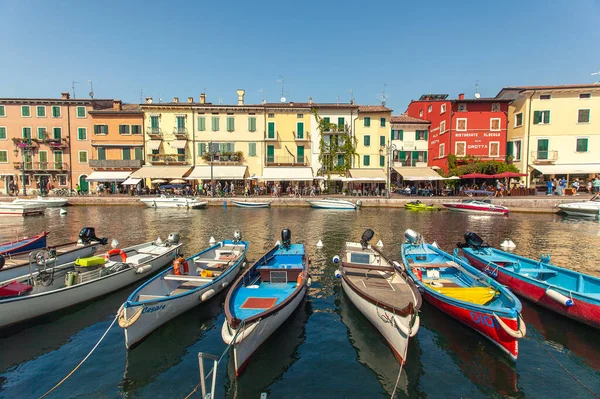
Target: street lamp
(25, 147)
(389, 152)
(212, 180)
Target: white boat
(175, 291)
(14, 265)
(477, 206)
(386, 297)
(173, 202)
(263, 298)
(584, 208)
(49, 289)
(12, 209)
(249, 204)
(332, 203)
(47, 202)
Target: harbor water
(327, 349)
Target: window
(55, 111)
(101, 154)
(340, 160)
(585, 95)
(252, 124)
(81, 133)
(300, 154)
(27, 180)
(300, 116)
(367, 140)
(26, 132)
(382, 141)
(136, 129)
(271, 115)
(495, 124)
(519, 119)
(25, 111)
(495, 107)
(326, 122)
(43, 158)
(367, 121)
(382, 160)
(126, 154)
(443, 108)
(382, 122)
(40, 111)
(494, 149)
(123, 129)
(2, 133)
(545, 96)
(201, 123)
(442, 150)
(214, 123)
(3, 156)
(421, 134)
(582, 145)
(201, 149)
(542, 148)
(41, 133)
(155, 123)
(398, 134)
(300, 130)
(460, 149)
(430, 108)
(81, 112)
(442, 127)
(2, 111)
(583, 116)
(421, 113)
(341, 124)
(461, 124)
(513, 149)
(83, 157)
(271, 130)
(56, 133)
(230, 124)
(270, 153)
(58, 160)
(100, 129)
(251, 149)
(62, 180)
(137, 153)
(462, 107)
(366, 160)
(541, 117)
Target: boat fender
(336, 259)
(299, 281)
(225, 284)
(419, 274)
(227, 332)
(522, 329)
(143, 269)
(337, 274)
(309, 281)
(123, 322)
(560, 298)
(116, 251)
(408, 330)
(180, 266)
(207, 295)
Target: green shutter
(402, 155)
(252, 149)
(401, 134)
(230, 124)
(26, 133)
(81, 133)
(341, 124)
(201, 123)
(56, 133)
(366, 160)
(137, 153)
(300, 154)
(510, 149)
(3, 156)
(425, 156)
(542, 145)
(81, 112)
(415, 157)
(300, 133)
(215, 123)
(101, 154)
(367, 121)
(43, 157)
(582, 145)
(201, 149)
(2, 111)
(326, 124)
(382, 160)
(547, 117)
(270, 153)
(126, 154)
(271, 131)
(340, 160)
(367, 141)
(426, 134)
(252, 124)
(382, 122)
(537, 117)
(3, 133)
(382, 141)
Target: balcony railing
(180, 132)
(413, 163)
(49, 166)
(544, 156)
(154, 131)
(116, 163)
(171, 159)
(304, 137)
(289, 161)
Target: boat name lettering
(485, 320)
(153, 309)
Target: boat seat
(144, 297)
(431, 265)
(139, 259)
(538, 271)
(173, 277)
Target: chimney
(65, 95)
(148, 100)
(176, 100)
(461, 96)
(291, 103)
(202, 98)
(190, 100)
(117, 105)
(240, 94)
(264, 102)
(310, 100)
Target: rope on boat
(84, 359)
(401, 366)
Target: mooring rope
(84, 359)
(401, 366)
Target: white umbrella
(158, 181)
(178, 181)
(452, 178)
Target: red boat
(477, 206)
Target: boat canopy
(278, 173)
(219, 172)
(366, 176)
(161, 172)
(418, 173)
(108, 176)
(568, 169)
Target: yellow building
(552, 132)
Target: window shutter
(201, 123)
(340, 124)
(367, 141)
(510, 148)
(401, 132)
(382, 122)
(402, 155)
(367, 121)
(424, 156)
(270, 151)
(300, 133)
(300, 153)
(252, 149)
(271, 130)
(426, 134)
(366, 160)
(415, 156)
(537, 117)
(382, 141)
(382, 160)
(326, 124)
(137, 153)
(340, 160)
(230, 124)
(547, 115)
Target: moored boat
(173, 202)
(583, 208)
(251, 204)
(567, 292)
(333, 203)
(476, 206)
(11, 209)
(419, 206)
(263, 297)
(464, 293)
(45, 201)
(383, 294)
(25, 244)
(188, 283)
(48, 289)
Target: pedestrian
(576, 186)
(563, 186)
(11, 188)
(78, 189)
(595, 184)
(549, 187)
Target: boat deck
(381, 286)
(255, 299)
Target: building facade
(372, 132)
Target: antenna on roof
(281, 82)
(159, 98)
(262, 95)
(73, 87)
(91, 89)
(220, 101)
(337, 99)
(383, 96)
(141, 93)
(596, 73)
(351, 91)
(477, 95)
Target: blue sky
(322, 49)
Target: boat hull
(21, 209)
(341, 205)
(580, 211)
(535, 291)
(241, 204)
(475, 209)
(48, 203)
(173, 203)
(24, 245)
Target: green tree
(341, 143)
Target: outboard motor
(472, 240)
(286, 238)
(237, 236)
(366, 237)
(412, 237)
(88, 234)
(173, 238)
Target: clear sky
(323, 49)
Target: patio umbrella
(178, 181)
(476, 176)
(452, 178)
(508, 175)
(158, 181)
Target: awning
(219, 172)
(414, 174)
(161, 172)
(178, 144)
(131, 182)
(366, 175)
(568, 169)
(108, 176)
(287, 174)
(154, 144)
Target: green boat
(419, 206)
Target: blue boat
(24, 245)
(264, 297)
(567, 292)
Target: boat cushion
(91, 261)
(477, 295)
(259, 303)
(14, 289)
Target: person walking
(549, 187)
(576, 186)
(563, 186)
(595, 184)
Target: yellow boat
(419, 206)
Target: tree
(340, 143)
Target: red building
(462, 127)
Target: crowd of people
(558, 186)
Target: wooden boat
(10, 209)
(17, 264)
(45, 201)
(463, 292)
(180, 288)
(567, 292)
(49, 289)
(476, 206)
(263, 297)
(419, 206)
(332, 203)
(173, 202)
(384, 295)
(583, 208)
(248, 204)
(24, 244)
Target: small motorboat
(46, 201)
(181, 287)
(477, 206)
(249, 204)
(584, 208)
(12, 209)
(263, 297)
(464, 293)
(378, 288)
(48, 287)
(333, 203)
(419, 206)
(567, 292)
(173, 202)
(25, 244)
(17, 264)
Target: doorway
(83, 184)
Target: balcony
(305, 136)
(116, 163)
(26, 144)
(154, 132)
(42, 166)
(231, 158)
(168, 159)
(286, 161)
(409, 163)
(541, 157)
(180, 133)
